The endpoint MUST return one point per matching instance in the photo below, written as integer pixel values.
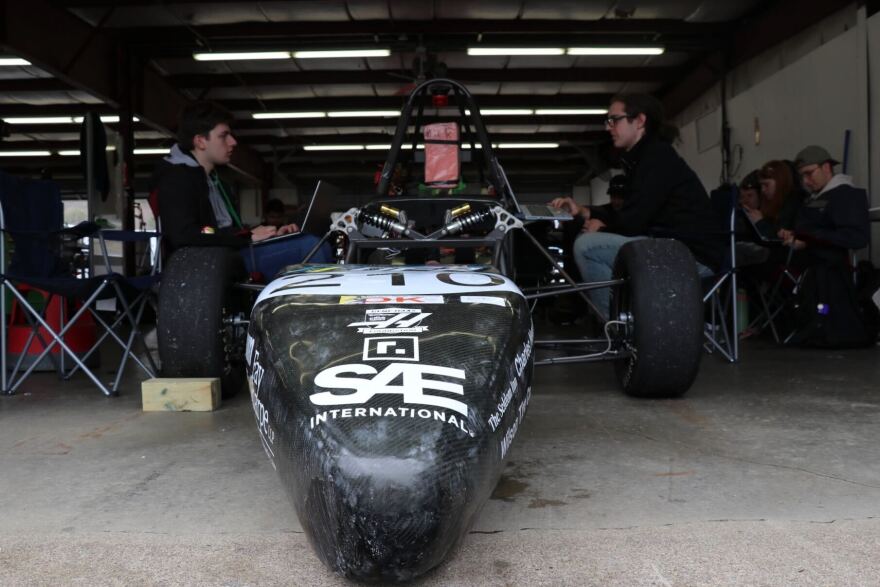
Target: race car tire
(661, 304)
(196, 304)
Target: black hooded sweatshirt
(665, 199)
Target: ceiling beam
(36, 129)
(305, 30)
(546, 155)
(775, 23)
(391, 76)
(34, 84)
(86, 58)
(61, 44)
(406, 46)
(594, 100)
(334, 169)
(591, 100)
(392, 122)
(305, 123)
(296, 142)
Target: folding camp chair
(775, 297)
(133, 295)
(31, 214)
(719, 299)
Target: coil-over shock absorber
(388, 220)
(463, 221)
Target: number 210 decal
(388, 281)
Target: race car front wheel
(659, 310)
(199, 324)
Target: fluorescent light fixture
(75, 153)
(111, 118)
(151, 151)
(40, 120)
(408, 146)
(362, 113)
(24, 153)
(337, 54)
(241, 56)
(12, 61)
(571, 111)
(505, 112)
(333, 148)
(615, 50)
(60, 119)
(279, 115)
(487, 51)
(528, 145)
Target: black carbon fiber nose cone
(388, 416)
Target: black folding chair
(133, 295)
(719, 299)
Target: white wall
(808, 91)
(873, 50)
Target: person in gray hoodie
(829, 310)
(834, 219)
(197, 209)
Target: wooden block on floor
(179, 394)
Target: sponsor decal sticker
(409, 380)
(267, 433)
(392, 321)
(365, 300)
(510, 433)
(520, 361)
(398, 348)
(493, 300)
(249, 349)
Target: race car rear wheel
(660, 308)
(199, 324)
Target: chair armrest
(128, 235)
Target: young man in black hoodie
(664, 198)
(196, 208)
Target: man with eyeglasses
(664, 198)
(832, 223)
(834, 219)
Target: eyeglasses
(805, 173)
(612, 120)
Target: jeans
(271, 257)
(594, 255)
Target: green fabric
(226, 199)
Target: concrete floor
(767, 473)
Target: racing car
(387, 395)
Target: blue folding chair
(31, 215)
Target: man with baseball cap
(834, 218)
(832, 222)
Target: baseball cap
(751, 182)
(814, 155)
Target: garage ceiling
(90, 55)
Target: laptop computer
(756, 232)
(305, 226)
(529, 212)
